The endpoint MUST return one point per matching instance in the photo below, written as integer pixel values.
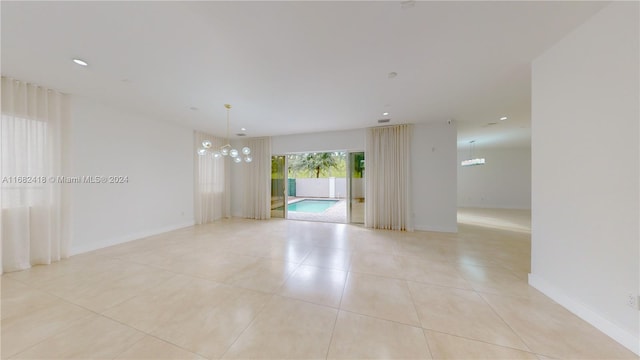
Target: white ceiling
(295, 67)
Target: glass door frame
(285, 180)
(350, 172)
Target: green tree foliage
(315, 163)
(358, 164)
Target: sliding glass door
(278, 186)
(356, 187)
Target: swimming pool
(311, 206)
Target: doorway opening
(318, 186)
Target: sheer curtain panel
(212, 186)
(388, 180)
(257, 180)
(30, 134)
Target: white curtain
(388, 180)
(257, 180)
(30, 134)
(212, 185)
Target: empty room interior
(311, 179)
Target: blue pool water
(311, 206)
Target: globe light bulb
(216, 154)
(233, 153)
(237, 160)
(202, 152)
(248, 159)
(246, 150)
(224, 151)
(206, 144)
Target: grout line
(484, 342)
(61, 330)
(424, 334)
(416, 281)
(503, 320)
(335, 322)
(415, 308)
(248, 325)
(383, 319)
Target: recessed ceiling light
(243, 129)
(503, 118)
(80, 62)
(385, 113)
(392, 74)
(193, 108)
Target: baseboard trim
(587, 314)
(76, 250)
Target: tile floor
(291, 289)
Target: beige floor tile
(162, 256)
(94, 337)
(263, 275)
(81, 265)
(210, 329)
(155, 306)
(28, 329)
(216, 266)
(368, 242)
(337, 259)
(445, 346)
(379, 297)
(363, 337)
(377, 264)
(425, 248)
(496, 280)
(314, 284)
(190, 305)
(432, 272)
(462, 313)
(288, 251)
(101, 295)
(549, 329)
(19, 299)
(286, 329)
(152, 348)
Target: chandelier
(226, 150)
(472, 161)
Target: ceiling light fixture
(226, 149)
(503, 118)
(385, 113)
(472, 161)
(243, 129)
(407, 4)
(80, 62)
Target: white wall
(433, 173)
(585, 210)
(325, 141)
(433, 161)
(503, 182)
(156, 156)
